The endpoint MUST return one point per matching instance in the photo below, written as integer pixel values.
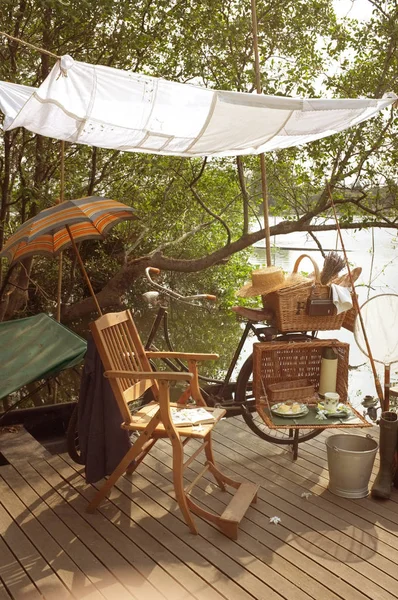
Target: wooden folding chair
(126, 363)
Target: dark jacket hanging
(102, 441)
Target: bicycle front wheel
(244, 396)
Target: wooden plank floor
(137, 545)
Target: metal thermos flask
(328, 375)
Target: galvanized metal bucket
(350, 461)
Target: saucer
(341, 414)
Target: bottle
(328, 375)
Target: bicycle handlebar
(172, 293)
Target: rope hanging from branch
(37, 48)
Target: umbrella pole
(262, 157)
(83, 269)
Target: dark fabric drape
(102, 441)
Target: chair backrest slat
(133, 358)
(120, 348)
(114, 345)
(121, 362)
(111, 346)
(136, 342)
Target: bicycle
(234, 396)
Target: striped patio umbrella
(54, 229)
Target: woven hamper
(290, 304)
(297, 389)
(274, 362)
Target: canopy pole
(357, 308)
(86, 277)
(60, 258)
(264, 189)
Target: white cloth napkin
(341, 298)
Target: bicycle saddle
(253, 314)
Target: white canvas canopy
(109, 108)
(12, 98)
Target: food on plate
(290, 409)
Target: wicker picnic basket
(276, 362)
(290, 304)
(297, 389)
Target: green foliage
(186, 212)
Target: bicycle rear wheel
(244, 396)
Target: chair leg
(210, 459)
(178, 454)
(134, 464)
(246, 493)
(126, 464)
(178, 469)
(112, 479)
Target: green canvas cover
(35, 348)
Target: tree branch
(318, 243)
(112, 293)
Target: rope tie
(15, 39)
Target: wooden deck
(137, 546)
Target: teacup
(331, 401)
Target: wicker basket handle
(316, 268)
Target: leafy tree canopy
(195, 214)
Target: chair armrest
(169, 375)
(182, 355)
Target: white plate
(289, 415)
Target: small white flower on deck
(275, 520)
(306, 495)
